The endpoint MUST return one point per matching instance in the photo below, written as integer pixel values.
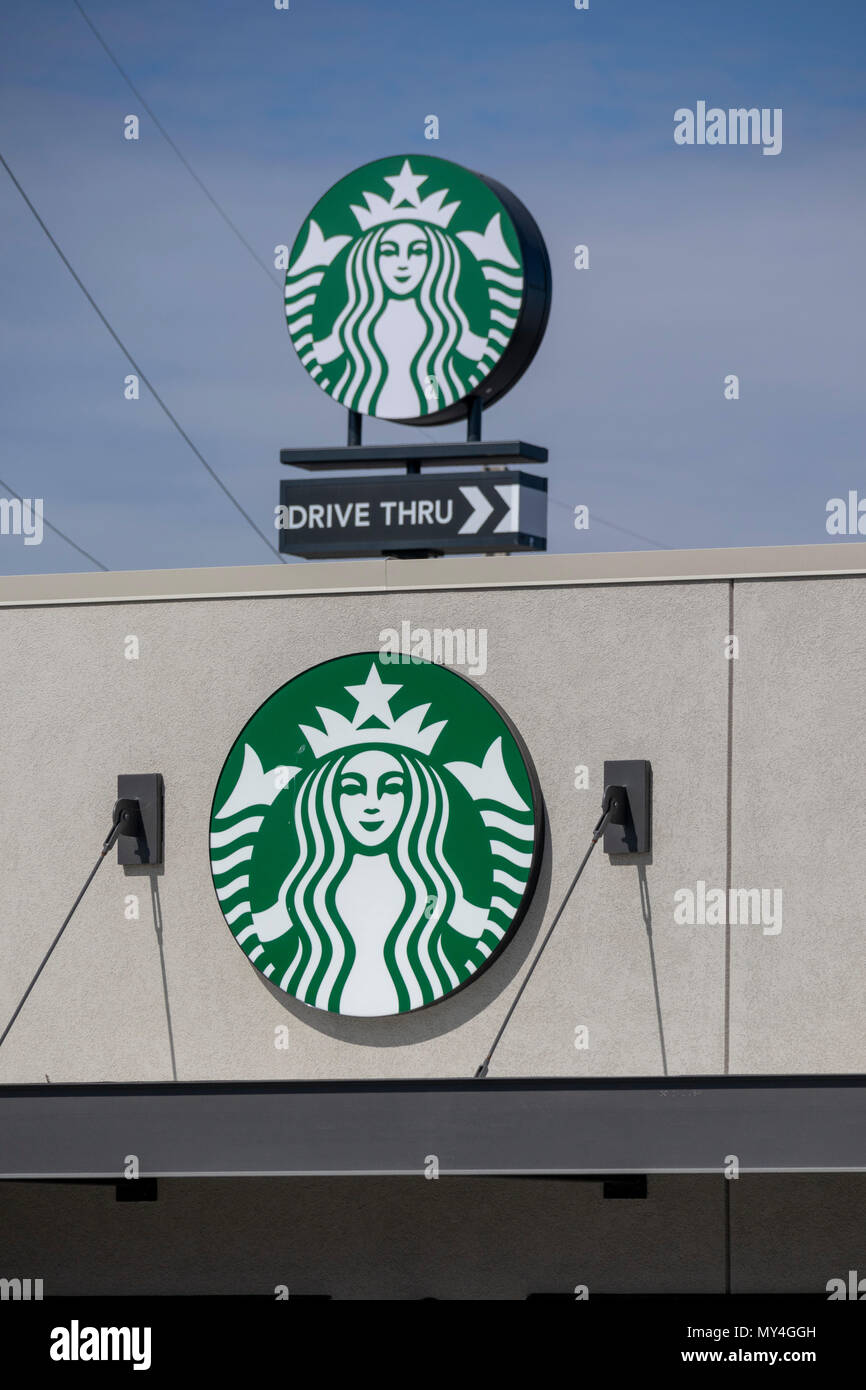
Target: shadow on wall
(640, 862)
(153, 876)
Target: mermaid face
(403, 254)
(371, 797)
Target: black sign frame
(476, 498)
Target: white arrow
(481, 510)
(510, 493)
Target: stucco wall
(757, 767)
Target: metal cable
(596, 836)
(113, 834)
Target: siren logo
(375, 835)
(405, 285)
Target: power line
(659, 545)
(184, 161)
(224, 215)
(58, 532)
(148, 383)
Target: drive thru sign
(452, 512)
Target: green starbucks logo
(414, 284)
(375, 835)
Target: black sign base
(511, 453)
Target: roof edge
(450, 572)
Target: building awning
(493, 1126)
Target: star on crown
(374, 702)
(405, 204)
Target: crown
(405, 203)
(374, 701)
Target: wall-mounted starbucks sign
(375, 834)
(414, 284)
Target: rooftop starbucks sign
(415, 284)
(375, 834)
(416, 292)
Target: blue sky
(703, 261)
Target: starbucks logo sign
(375, 835)
(414, 284)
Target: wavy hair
(324, 950)
(366, 370)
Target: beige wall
(619, 664)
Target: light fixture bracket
(629, 832)
(145, 844)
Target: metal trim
(305, 578)
(541, 1126)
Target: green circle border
(538, 847)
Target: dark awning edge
(498, 1126)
